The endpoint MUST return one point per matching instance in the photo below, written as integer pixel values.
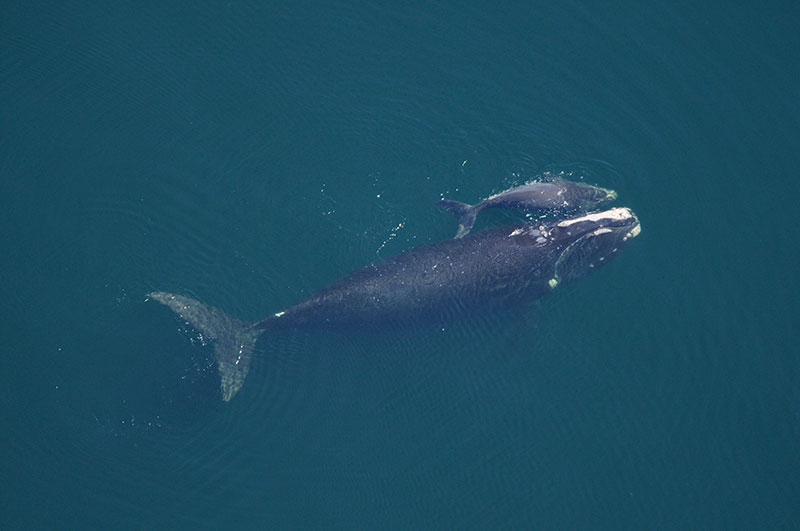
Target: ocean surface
(248, 153)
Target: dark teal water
(247, 155)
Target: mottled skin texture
(433, 280)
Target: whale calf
(557, 196)
(434, 282)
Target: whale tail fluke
(233, 340)
(465, 214)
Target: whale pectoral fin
(234, 340)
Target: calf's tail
(464, 213)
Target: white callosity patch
(553, 282)
(530, 231)
(633, 233)
(617, 214)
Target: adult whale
(497, 266)
(557, 196)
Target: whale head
(587, 242)
(586, 196)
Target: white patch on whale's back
(615, 214)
